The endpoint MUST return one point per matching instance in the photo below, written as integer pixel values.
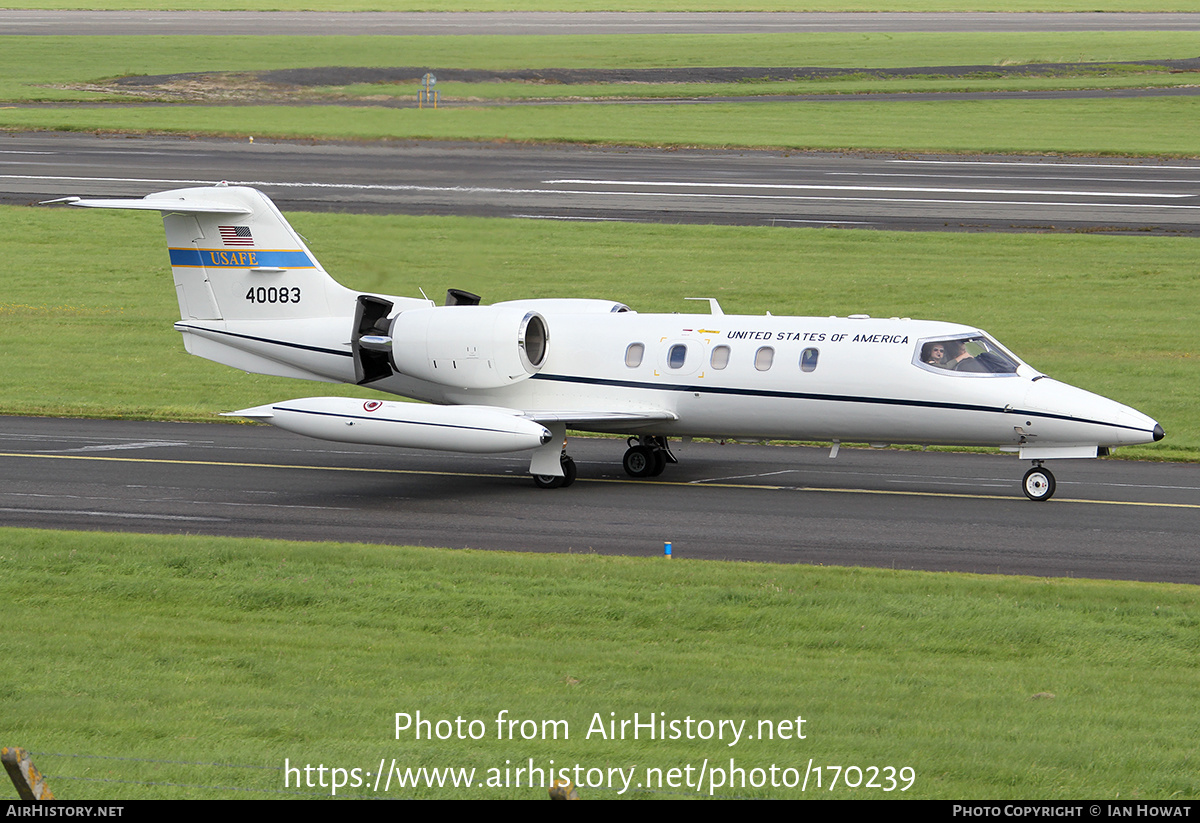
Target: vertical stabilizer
(234, 257)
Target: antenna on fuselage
(713, 306)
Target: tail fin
(235, 257)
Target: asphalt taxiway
(894, 509)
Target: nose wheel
(1038, 483)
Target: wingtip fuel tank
(474, 429)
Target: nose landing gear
(1038, 483)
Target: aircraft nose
(1140, 428)
(1118, 424)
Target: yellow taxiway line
(629, 481)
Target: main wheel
(569, 472)
(638, 461)
(1038, 484)
(660, 462)
(550, 481)
(547, 481)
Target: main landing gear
(1038, 483)
(542, 463)
(647, 456)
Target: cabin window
(720, 357)
(676, 356)
(808, 360)
(764, 358)
(965, 354)
(633, 355)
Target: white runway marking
(108, 447)
(174, 500)
(1040, 163)
(758, 192)
(821, 187)
(1181, 181)
(130, 515)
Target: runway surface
(910, 510)
(60, 23)
(747, 187)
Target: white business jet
(513, 376)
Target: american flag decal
(236, 235)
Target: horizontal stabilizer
(178, 205)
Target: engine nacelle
(469, 347)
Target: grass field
(36, 68)
(1112, 314)
(857, 83)
(1145, 127)
(30, 61)
(203, 663)
(28, 65)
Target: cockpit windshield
(965, 353)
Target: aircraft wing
(605, 418)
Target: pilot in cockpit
(958, 359)
(934, 355)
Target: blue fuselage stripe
(835, 398)
(241, 258)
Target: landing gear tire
(569, 472)
(550, 481)
(660, 462)
(640, 461)
(647, 456)
(547, 481)
(1038, 484)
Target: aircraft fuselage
(794, 378)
